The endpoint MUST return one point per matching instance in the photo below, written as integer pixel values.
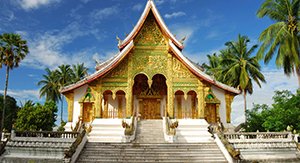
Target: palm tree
(213, 67)
(239, 68)
(50, 87)
(13, 50)
(282, 37)
(79, 72)
(64, 77)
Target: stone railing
(261, 140)
(46, 134)
(254, 136)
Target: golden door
(211, 113)
(150, 109)
(87, 112)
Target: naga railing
(70, 152)
(217, 129)
(129, 128)
(170, 126)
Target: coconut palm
(282, 37)
(213, 67)
(64, 78)
(79, 72)
(13, 50)
(50, 87)
(240, 69)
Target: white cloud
(85, 1)
(183, 30)
(276, 80)
(210, 18)
(104, 13)
(137, 7)
(34, 4)
(23, 95)
(46, 50)
(159, 2)
(8, 15)
(175, 15)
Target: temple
(150, 78)
(149, 103)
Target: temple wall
(78, 94)
(220, 94)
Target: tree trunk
(245, 104)
(4, 102)
(61, 111)
(298, 75)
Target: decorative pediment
(211, 98)
(88, 96)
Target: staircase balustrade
(129, 129)
(169, 129)
(46, 134)
(70, 155)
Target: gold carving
(228, 98)
(70, 100)
(150, 33)
(180, 71)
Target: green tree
(50, 87)
(36, 117)
(282, 37)
(79, 71)
(214, 67)
(285, 111)
(11, 110)
(13, 50)
(65, 77)
(240, 69)
(56, 79)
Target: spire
(150, 7)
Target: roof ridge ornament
(183, 39)
(119, 40)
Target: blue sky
(75, 31)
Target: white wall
(78, 94)
(220, 94)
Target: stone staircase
(150, 131)
(193, 131)
(106, 130)
(154, 152)
(150, 146)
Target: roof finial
(183, 39)
(119, 40)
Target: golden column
(169, 82)
(228, 99)
(70, 101)
(130, 83)
(201, 101)
(97, 103)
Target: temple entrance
(211, 109)
(150, 96)
(87, 112)
(150, 109)
(211, 113)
